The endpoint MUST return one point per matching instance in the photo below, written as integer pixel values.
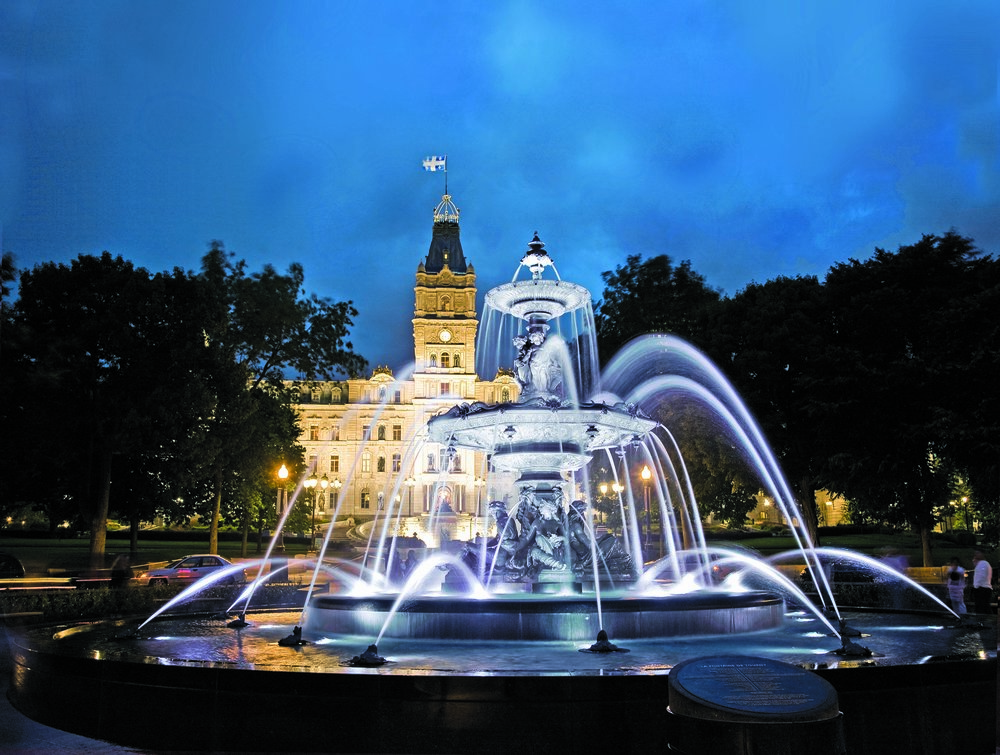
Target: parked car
(10, 567)
(189, 569)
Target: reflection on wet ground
(894, 639)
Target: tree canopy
(170, 383)
(875, 383)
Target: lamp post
(479, 483)
(279, 544)
(617, 489)
(646, 475)
(310, 484)
(410, 484)
(324, 483)
(336, 494)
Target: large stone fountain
(477, 647)
(545, 546)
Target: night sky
(756, 139)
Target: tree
(891, 391)
(767, 340)
(651, 296)
(109, 367)
(264, 324)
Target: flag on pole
(436, 162)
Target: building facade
(366, 435)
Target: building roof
(446, 246)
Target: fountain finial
(536, 259)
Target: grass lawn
(39, 555)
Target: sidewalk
(20, 735)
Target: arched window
(445, 304)
(317, 394)
(335, 395)
(446, 360)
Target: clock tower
(444, 314)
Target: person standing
(982, 582)
(955, 579)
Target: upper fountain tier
(544, 434)
(537, 300)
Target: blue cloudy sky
(754, 138)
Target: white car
(189, 569)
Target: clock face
(445, 335)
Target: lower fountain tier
(570, 618)
(539, 435)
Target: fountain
(545, 629)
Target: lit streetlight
(410, 484)
(646, 476)
(279, 545)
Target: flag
(436, 162)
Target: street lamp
(645, 474)
(310, 484)
(410, 484)
(279, 544)
(324, 483)
(479, 483)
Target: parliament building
(364, 435)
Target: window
(336, 395)
(446, 360)
(314, 432)
(366, 499)
(397, 432)
(445, 301)
(334, 464)
(366, 462)
(381, 432)
(366, 431)
(380, 467)
(445, 389)
(397, 463)
(317, 394)
(397, 397)
(505, 396)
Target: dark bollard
(737, 705)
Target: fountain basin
(534, 617)
(192, 684)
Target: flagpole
(446, 174)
